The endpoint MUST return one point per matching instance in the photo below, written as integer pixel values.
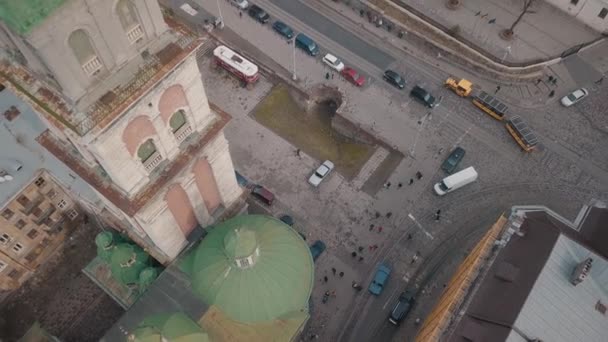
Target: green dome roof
(254, 268)
(127, 261)
(23, 15)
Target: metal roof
(523, 130)
(492, 103)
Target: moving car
(450, 163)
(316, 249)
(402, 308)
(242, 4)
(258, 14)
(574, 97)
(321, 172)
(423, 96)
(394, 78)
(455, 181)
(352, 76)
(283, 29)
(380, 279)
(333, 62)
(308, 45)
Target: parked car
(258, 14)
(574, 97)
(288, 220)
(423, 96)
(394, 78)
(380, 279)
(263, 194)
(316, 249)
(283, 29)
(241, 4)
(320, 173)
(402, 308)
(352, 76)
(333, 62)
(307, 44)
(452, 161)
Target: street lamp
(507, 52)
(219, 9)
(294, 77)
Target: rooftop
(18, 129)
(526, 292)
(121, 89)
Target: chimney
(581, 271)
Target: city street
(568, 169)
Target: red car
(353, 76)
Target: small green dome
(254, 268)
(104, 239)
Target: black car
(452, 161)
(423, 96)
(402, 308)
(394, 78)
(283, 29)
(258, 14)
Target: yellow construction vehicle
(462, 88)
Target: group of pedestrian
(419, 176)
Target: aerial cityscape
(303, 170)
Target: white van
(455, 181)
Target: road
(569, 168)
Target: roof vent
(581, 271)
(5, 177)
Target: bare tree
(508, 33)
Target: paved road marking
(420, 226)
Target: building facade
(32, 225)
(126, 108)
(593, 13)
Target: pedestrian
(353, 254)
(298, 153)
(379, 229)
(538, 81)
(377, 214)
(371, 227)
(360, 258)
(477, 14)
(325, 279)
(333, 270)
(437, 217)
(371, 248)
(409, 236)
(360, 249)
(598, 82)
(438, 212)
(492, 21)
(552, 93)
(341, 274)
(389, 214)
(411, 181)
(326, 75)
(240, 14)
(414, 258)
(419, 175)
(497, 89)
(333, 293)
(554, 81)
(399, 185)
(550, 78)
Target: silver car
(574, 97)
(242, 4)
(321, 173)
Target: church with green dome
(249, 279)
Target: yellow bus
(522, 134)
(490, 105)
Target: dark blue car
(283, 29)
(316, 249)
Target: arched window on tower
(180, 126)
(84, 52)
(148, 155)
(127, 14)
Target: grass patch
(310, 132)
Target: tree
(508, 33)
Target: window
(2, 265)
(574, 2)
(5, 238)
(20, 224)
(23, 200)
(51, 194)
(146, 150)
(72, 214)
(62, 204)
(31, 256)
(37, 212)
(32, 234)
(7, 214)
(17, 247)
(603, 13)
(39, 182)
(83, 50)
(177, 120)
(14, 274)
(45, 242)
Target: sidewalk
(541, 35)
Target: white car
(321, 172)
(574, 97)
(242, 4)
(333, 62)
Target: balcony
(92, 66)
(152, 161)
(135, 33)
(183, 132)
